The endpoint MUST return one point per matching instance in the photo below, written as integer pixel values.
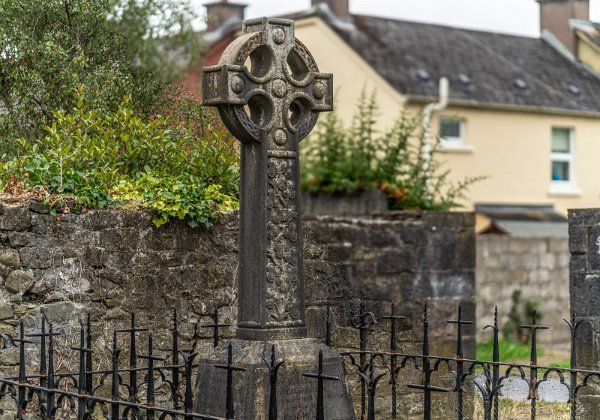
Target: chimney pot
(555, 16)
(340, 8)
(219, 11)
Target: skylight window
(464, 79)
(521, 84)
(574, 90)
(423, 75)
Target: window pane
(560, 171)
(449, 128)
(561, 140)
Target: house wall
(588, 52)
(513, 150)
(507, 146)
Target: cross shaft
(269, 91)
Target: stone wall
(111, 262)
(538, 267)
(584, 246)
(409, 258)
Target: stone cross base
(296, 394)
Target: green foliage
(521, 313)
(510, 350)
(115, 48)
(339, 159)
(102, 158)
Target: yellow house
(522, 111)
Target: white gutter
(426, 124)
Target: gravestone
(584, 267)
(269, 91)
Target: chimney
(340, 8)
(218, 12)
(555, 16)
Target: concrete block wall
(539, 267)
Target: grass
(517, 410)
(510, 351)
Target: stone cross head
(281, 92)
(269, 92)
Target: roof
(520, 212)
(495, 68)
(521, 220)
(483, 68)
(529, 229)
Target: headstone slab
(296, 394)
(269, 92)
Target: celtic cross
(269, 91)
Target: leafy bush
(339, 159)
(115, 48)
(521, 313)
(95, 159)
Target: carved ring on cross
(281, 92)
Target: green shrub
(521, 313)
(116, 48)
(338, 159)
(94, 159)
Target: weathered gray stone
(18, 281)
(271, 292)
(38, 207)
(296, 394)
(362, 203)
(15, 218)
(9, 357)
(36, 256)
(585, 298)
(6, 311)
(19, 239)
(116, 313)
(10, 257)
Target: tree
(115, 48)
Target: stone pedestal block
(296, 394)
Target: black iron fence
(131, 392)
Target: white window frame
(559, 187)
(454, 144)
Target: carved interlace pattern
(282, 242)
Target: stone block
(578, 239)
(588, 217)
(18, 281)
(9, 357)
(578, 263)
(558, 245)
(394, 261)
(451, 284)
(38, 207)
(19, 239)
(585, 293)
(15, 218)
(6, 311)
(10, 258)
(381, 236)
(339, 251)
(36, 256)
(296, 394)
(587, 344)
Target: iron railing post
(459, 361)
